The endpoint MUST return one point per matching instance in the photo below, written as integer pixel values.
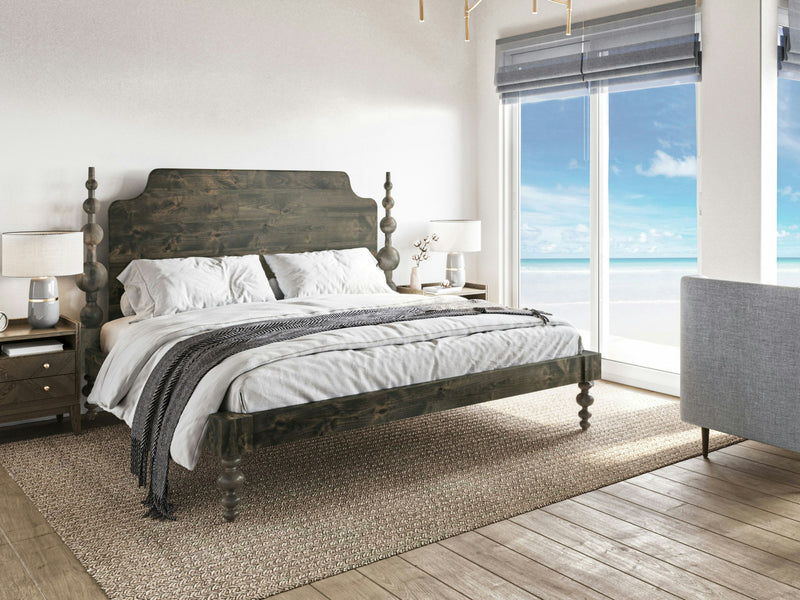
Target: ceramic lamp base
(43, 308)
(455, 272)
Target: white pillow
(125, 306)
(353, 271)
(173, 285)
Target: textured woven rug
(316, 508)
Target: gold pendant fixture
(468, 9)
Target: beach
(644, 302)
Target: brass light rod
(468, 9)
(568, 5)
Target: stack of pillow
(163, 287)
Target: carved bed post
(585, 400)
(388, 256)
(228, 436)
(91, 281)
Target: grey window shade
(547, 65)
(789, 54)
(638, 49)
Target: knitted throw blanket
(173, 380)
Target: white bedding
(320, 366)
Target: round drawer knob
(46, 365)
(47, 388)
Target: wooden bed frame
(192, 212)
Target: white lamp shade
(42, 253)
(457, 236)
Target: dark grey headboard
(214, 212)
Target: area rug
(312, 509)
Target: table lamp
(42, 256)
(455, 238)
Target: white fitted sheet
(320, 366)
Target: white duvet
(319, 366)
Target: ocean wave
(555, 271)
(615, 270)
(537, 303)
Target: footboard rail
(230, 435)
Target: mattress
(320, 366)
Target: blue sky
(652, 175)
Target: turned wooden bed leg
(585, 400)
(229, 482)
(704, 435)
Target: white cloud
(662, 164)
(581, 228)
(788, 192)
(783, 233)
(642, 238)
(615, 170)
(655, 233)
(568, 201)
(573, 164)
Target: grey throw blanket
(173, 380)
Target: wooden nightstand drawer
(41, 388)
(38, 365)
(40, 385)
(38, 408)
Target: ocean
(644, 294)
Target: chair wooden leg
(585, 400)
(704, 435)
(229, 482)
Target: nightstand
(39, 385)
(474, 291)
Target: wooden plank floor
(728, 527)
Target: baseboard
(642, 377)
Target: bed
(209, 213)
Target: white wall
(356, 85)
(131, 85)
(736, 129)
(738, 146)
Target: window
(649, 240)
(602, 161)
(554, 213)
(788, 182)
(652, 222)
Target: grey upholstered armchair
(740, 360)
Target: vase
(415, 284)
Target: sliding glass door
(554, 213)
(608, 219)
(652, 222)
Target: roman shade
(645, 48)
(789, 51)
